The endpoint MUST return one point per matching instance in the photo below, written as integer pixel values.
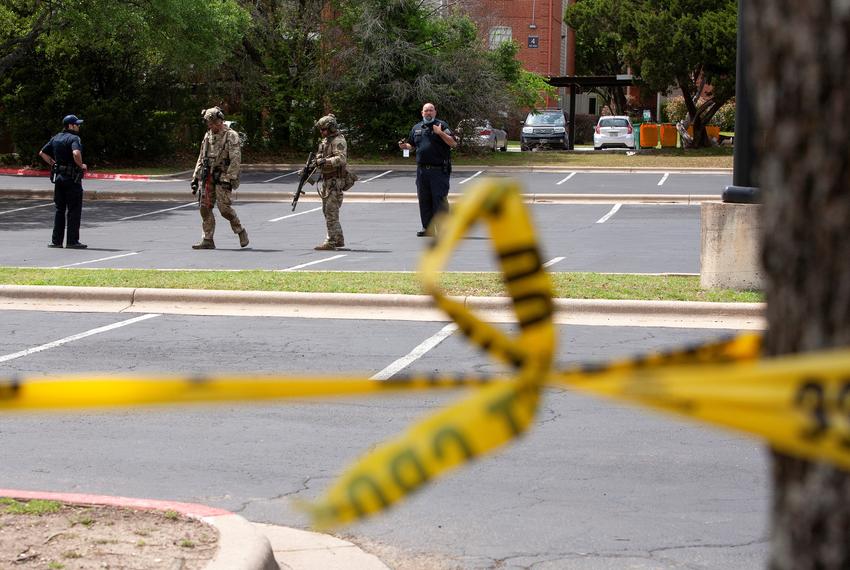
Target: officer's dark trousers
(432, 189)
(68, 198)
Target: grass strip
(672, 158)
(567, 285)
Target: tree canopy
(689, 44)
(140, 71)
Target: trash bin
(648, 135)
(669, 135)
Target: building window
(499, 35)
(591, 106)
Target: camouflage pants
(332, 195)
(225, 206)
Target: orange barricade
(648, 135)
(669, 135)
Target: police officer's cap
(212, 114)
(327, 122)
(71, 120)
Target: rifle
(202, 182)
(306, 173)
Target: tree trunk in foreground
(800, 71)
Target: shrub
(674, 109)
(585, 124)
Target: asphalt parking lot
(633, 238)
(593, 485)
(661, 182)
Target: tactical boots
(328, 246)
(204, 244)
(243, 238)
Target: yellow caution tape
(800, 404)
(453, 436)
(490, 417)
(70, 392)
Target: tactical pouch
(348, 180)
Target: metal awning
(581, 82)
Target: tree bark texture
(799, 73)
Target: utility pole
(744, 189)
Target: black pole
(572, 126)
(743, 189)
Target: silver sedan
(482, 134)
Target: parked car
(614, 132)
(479, 133)
(544, 128)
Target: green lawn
(718, 157)
(567, 285)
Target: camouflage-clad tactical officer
(221, 158)
(331, 160)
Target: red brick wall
(517, 15)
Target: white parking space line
(96, 260)
(416, 353)
(72, 338)
(571, 174)
(553, 261)
(293, 215)
(378, 176)
(663, 178)
(294, 267)
(26, 208)
(279, 177)
(465, 180)
(607, 216)
(157, 212)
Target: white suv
(614, 131)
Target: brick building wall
(536, 25)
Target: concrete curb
(406, 167)
(240, 545)
(272, 167)
(355, 196)
(747, 316)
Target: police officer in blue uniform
(433, 142)
(64, 154)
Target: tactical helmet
(212, 114)
(327, 122)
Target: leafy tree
(130, 68)
(690, 44)
(276, 69)
(385, 58)
(527, 89)
(600, 46)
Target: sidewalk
(165, 190)
(681, 314)
(242, 545)
(402, 167)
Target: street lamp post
(744, 188)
